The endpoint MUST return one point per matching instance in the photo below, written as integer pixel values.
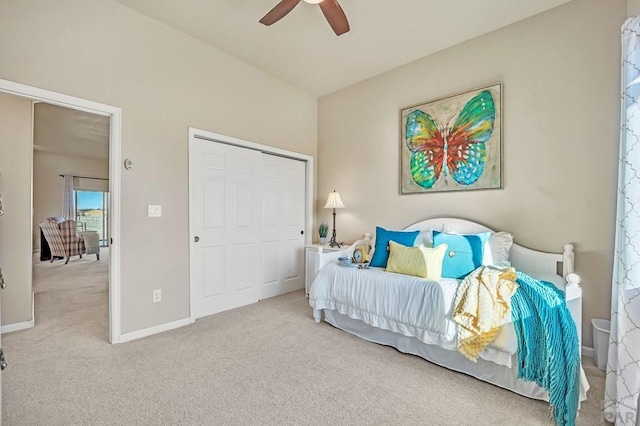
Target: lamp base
(333, 242)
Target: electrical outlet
(157, 296)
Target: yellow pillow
(424, 262)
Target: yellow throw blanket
(483, 303)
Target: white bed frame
(531, 262)
(553, 267)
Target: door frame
(204, 135)
(115, 141)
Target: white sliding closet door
(226, 205)
(283, 220)
(247, 221)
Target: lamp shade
(334, 201)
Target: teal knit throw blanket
(548, 352)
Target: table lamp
(334, 202)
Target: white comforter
(404, 304)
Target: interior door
(283, 220)
(226, 201)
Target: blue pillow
(381, 254)
(464, 253)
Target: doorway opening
(110, 223)
(70, 216)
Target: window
(92, 209)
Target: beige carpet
(78, 273)
(266, 363)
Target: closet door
(225, 212)
(283, 224)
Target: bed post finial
(573, 279)
(567, 260)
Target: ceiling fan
(330, 8)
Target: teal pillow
(464, 253)
(381, 253)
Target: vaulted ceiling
(303, 50)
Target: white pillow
(499, 245)
(425, 237)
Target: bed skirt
(486, 371)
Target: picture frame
(453, 143)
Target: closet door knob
(196, 239)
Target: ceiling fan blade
(335, 16)
(279, 12)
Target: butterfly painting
(453, 143)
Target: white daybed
(498, 362)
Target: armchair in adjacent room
(62, 238)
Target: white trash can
(601, 329)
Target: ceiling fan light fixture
(330, 9)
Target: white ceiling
(303, 50)
(70, 132)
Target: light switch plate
(154, 211)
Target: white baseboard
(135, 335)
(17, 326)
(587, 351)
(22, 325)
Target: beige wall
(48, 185)
(561, 78)
(16, 139)
(164, 82)
(633, 8)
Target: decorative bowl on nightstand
(348, 262)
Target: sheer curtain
(623, 367)
(68, 200)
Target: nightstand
(315, 257)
